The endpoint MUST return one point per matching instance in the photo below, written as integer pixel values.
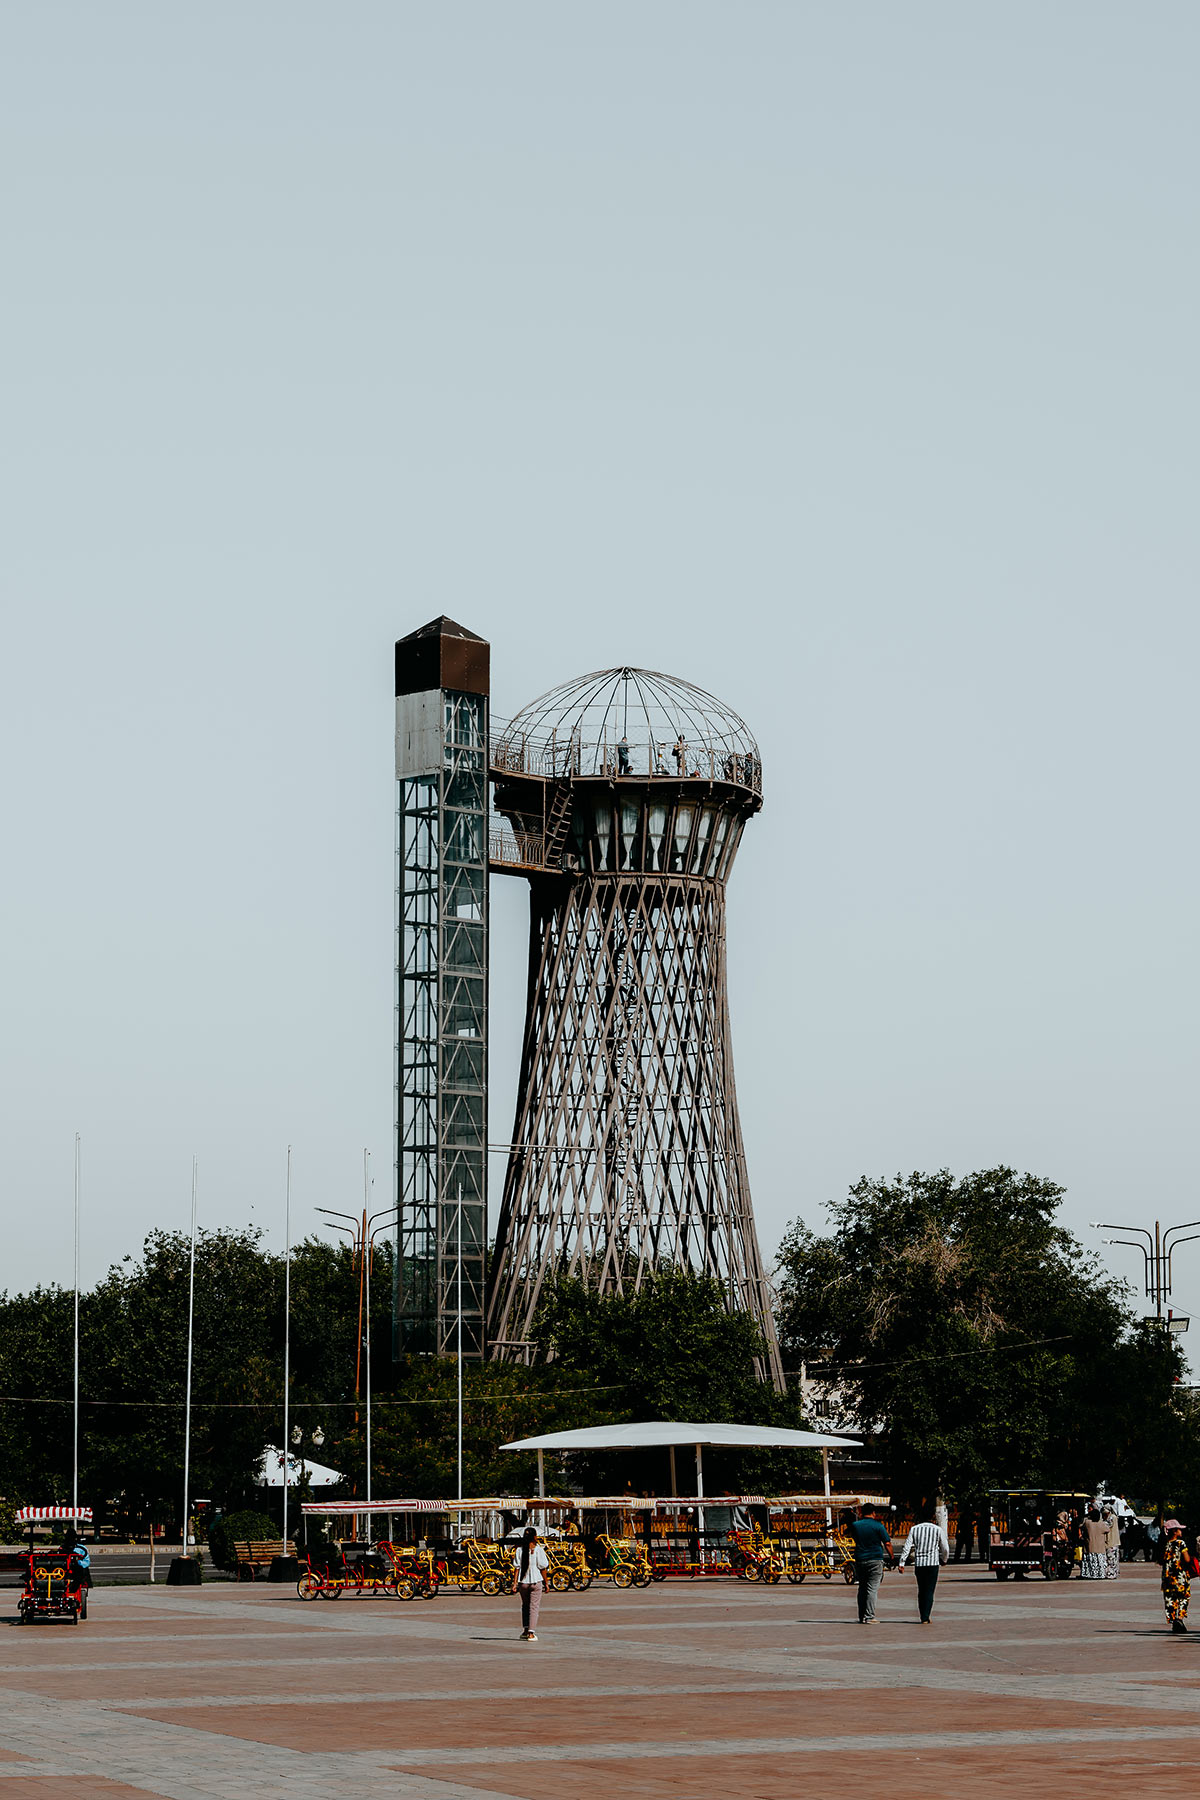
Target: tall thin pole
(75, 1452)
(187, 1407)
(287, 1332)
(367, 1254)
(825, 1485)
(460, 1369)
(1158, 1285)
(362, 1251)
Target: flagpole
(75, 1450)
(187, 1410)
(287, 1333)
(366, 1250)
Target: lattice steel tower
(441, 989)
(623, 796)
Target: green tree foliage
(671, 1350)
(986, 1346)
(133, 1358)
(414, 1430)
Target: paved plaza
(697, 1690)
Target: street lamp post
(1157, 1251)
(363, 1233)
(318, 1438)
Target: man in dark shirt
(871, 1545)
(964, 1539)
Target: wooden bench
(259, 1555)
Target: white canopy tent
(667, 1434)
(270, 1471)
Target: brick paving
(232, 1692)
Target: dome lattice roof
(667, 726)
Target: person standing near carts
(1176, 1575)
(929, 1548)
(872, 1544)
(529, 1572)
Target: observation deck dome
(629, 722)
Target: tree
(974, 1331)
(672, 1349)
(133, 1357)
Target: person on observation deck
(679, 752)
(623, 763)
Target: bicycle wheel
(490, 1584)
(308, 1587)
(751, 1572)
(560, 1580)
(406, 1589)
(643, 1578)
(796, 1576)
(431, 1590)
(581, 1583)
(622, 1576)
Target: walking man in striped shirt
(929, 1548)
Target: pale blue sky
(839, 359)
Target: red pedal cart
(55, 1582)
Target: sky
(840, 360)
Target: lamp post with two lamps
(1157, 1253)
(364, 1233)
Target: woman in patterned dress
(1176, 1575)
(1112, 1546)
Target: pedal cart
(55, 1585)
(53, 1588)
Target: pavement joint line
(520, 1690)
(1090, 1689)
(792, 1746)
(301, 1660)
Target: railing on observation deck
(555, 757)
(514, 849)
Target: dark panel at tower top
(443, 654)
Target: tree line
(962, 1326)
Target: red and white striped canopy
(38, 1515)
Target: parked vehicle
(1032, 1530)
(54, 1587)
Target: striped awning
(38, 1515)
(345, 1509)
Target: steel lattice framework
(627, 1148)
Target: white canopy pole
(541, 1476)
(700, 1496)
(828, 1510)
